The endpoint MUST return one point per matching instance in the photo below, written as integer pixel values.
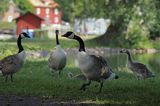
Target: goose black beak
(120, 51)
(24, 34)
(64, 35)
(27, 35)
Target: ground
(11, 100)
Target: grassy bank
(49, 44)
(35, 79)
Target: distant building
(12, 12)
(49, 10)
(28, 20)
(91, 26)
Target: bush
(137, 35)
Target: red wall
(30, 21)
(52, 15)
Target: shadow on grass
(35, 80)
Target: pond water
(118, 61)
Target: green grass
(156, 43)
(6, 25)
(35, 79)
(9, 47)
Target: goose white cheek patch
(22, 36)
(71, 36)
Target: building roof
(44, 3)
(29, 13)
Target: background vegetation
(134, 23)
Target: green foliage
(3, 6)
(24, 6)
(136, 35)
(6, 25)
(122, 13)
(67, 9)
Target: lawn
(35, 79)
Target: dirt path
(6, 100)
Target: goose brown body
(57, 59)
(139, 69)
(11, 64)
(94, 68)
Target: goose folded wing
(9, 60)
(99, 61)
(52, 62)
(141, 67)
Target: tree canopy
(24, 5)
(132, 21)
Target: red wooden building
(49, 10)
(28, 20)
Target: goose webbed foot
(6, 78)
(59, 72)
(138, 77)
(100, 88)
(11, 78)
(83, 87)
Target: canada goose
(11, 64)
(139, 69)
(94, 68)
(57, 59)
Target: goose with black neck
(57, 60)
(11, 64)
(140, 70)
(94, 68)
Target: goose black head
(124, 51)
(24, 34)
(69, 35)
(57, 31)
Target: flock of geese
(93, 68)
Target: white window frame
(38, 11)
(56, 11)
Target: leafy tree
(132, 21)
(3, 6)
(24, 6)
